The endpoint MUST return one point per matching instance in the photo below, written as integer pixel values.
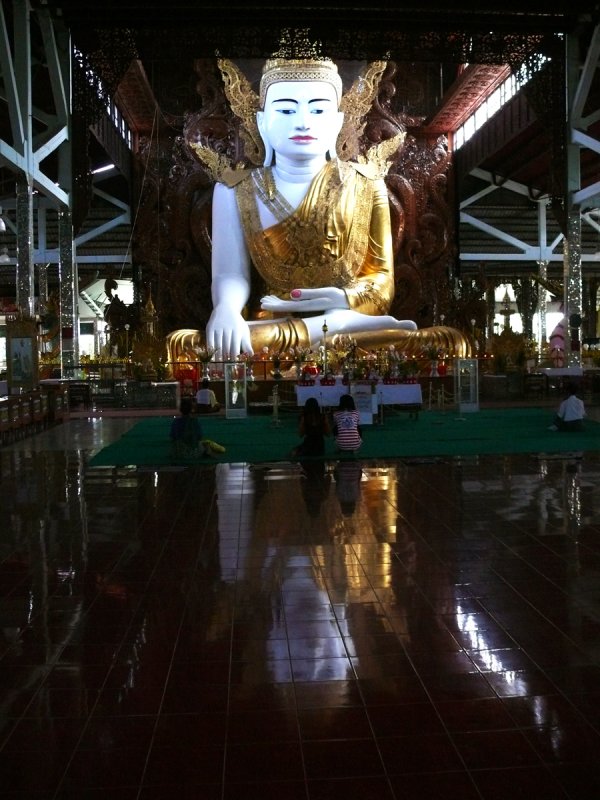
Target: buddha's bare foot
(450, 341)
(182, 344)
(400, 324)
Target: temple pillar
(69, 294)
(25, 282)
(572, 274)
(42, 277)
(490, 305)
(573, 285)
(590, 294)
(542, 304)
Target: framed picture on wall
(21, 355)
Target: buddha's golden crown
(277, 70)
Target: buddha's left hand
(324, 299)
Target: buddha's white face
(300, 119)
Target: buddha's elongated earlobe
(331, 151)
(260, 123)
(268, 162)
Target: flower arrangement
(51, 358)
(205, 353)
(246, 360)
(300, 354)
(343, 346)
(434, 353)
(342, 354)
(395, 355)
(410, 371)
(96, 360)
(276, 357)
(392, 364)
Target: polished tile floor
(369, 631)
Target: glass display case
(466, 384)
(236, 404)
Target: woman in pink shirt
(346, 425)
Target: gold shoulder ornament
(244, 102)
(378, 159)
(219, 166)
(355, 104)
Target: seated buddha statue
(315, 227)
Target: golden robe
(340, 235)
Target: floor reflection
(318, 629)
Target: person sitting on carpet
(571, 412)
(346, 425)
(186, 432)
(313, 426)
(206, 400)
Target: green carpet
(256, 439)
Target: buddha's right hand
(228, 333)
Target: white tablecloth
(398, 394)
(385, 394)
(326, 395)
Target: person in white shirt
(570, 414)
(206, 400)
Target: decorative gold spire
(299, 59)
(150, 310)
